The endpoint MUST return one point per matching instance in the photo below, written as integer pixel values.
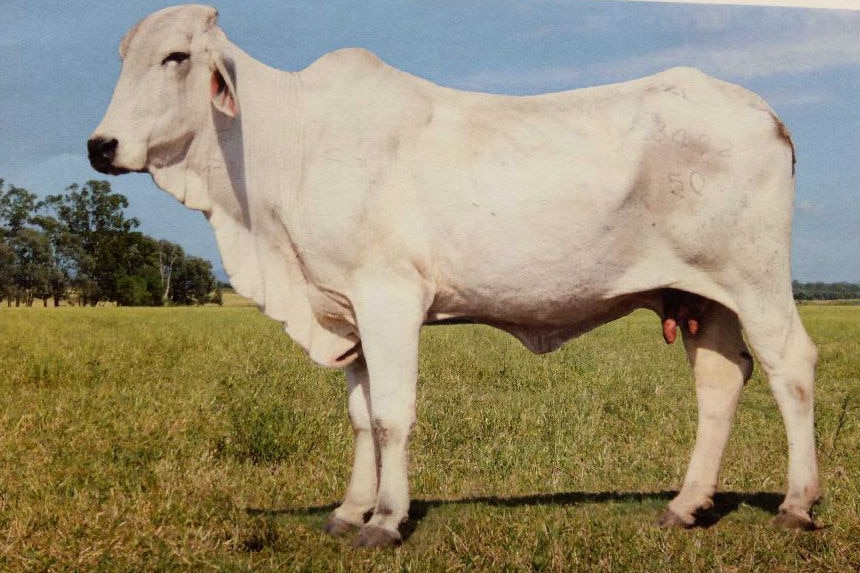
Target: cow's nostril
(101, 153)
(102, 148)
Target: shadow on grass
(724, 504)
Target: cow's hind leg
(361, 491)
(721, 365)
(788, 357)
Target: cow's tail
(785, 135)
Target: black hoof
(372, 536)
(336, 526)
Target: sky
(59, 65)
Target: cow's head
(173, 74)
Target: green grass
(203, 440)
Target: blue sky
(59, 64)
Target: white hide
(543, 215)
(353, 202)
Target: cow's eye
(175, 57)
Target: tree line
(825, 291)
(79, 247)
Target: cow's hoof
(670, 519)
(791, 520)
(372, 536)
(336, 526)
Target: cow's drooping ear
(211, 17)
(222, 88)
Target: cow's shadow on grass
(724, 504)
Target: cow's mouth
(109, 169)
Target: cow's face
(172, 75)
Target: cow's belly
(542, 324)
(543, 305)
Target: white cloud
(785, 98)
(808, 207)
(834, 4)
(757, 58)
(727, 47)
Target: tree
(33, 264)
(133, 291)
(93, 231)
(26, 255)
(16, 207)
(139, 279)
(63, 249)
(81, 244)
(194, 282)
(168, 257)
(7, 272)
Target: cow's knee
(391, 430)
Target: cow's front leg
(361, 491)
(389, 320)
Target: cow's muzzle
(102, 152)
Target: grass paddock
(196, 439)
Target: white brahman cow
(354, 203)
